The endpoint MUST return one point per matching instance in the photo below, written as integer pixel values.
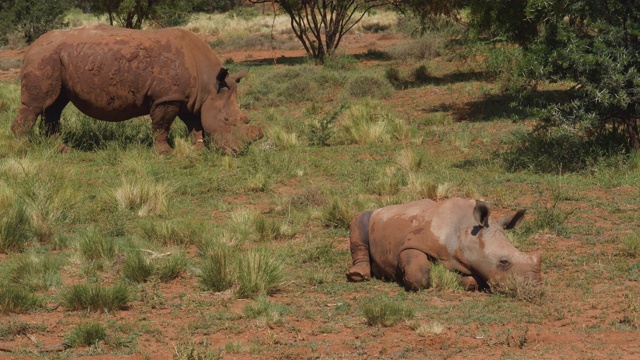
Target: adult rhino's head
(491, 255)
(222, 118)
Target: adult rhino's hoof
(359, 272)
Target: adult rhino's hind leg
(415, 267)
(359, 244)
(38, 91)
(162, 117)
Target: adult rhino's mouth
(237, 144)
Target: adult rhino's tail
(359, 244)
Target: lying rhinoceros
(399, 242)
(115, 74)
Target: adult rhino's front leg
(359, 244)
(194, 125)
(162, 116)
(415, 268)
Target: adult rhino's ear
(510, 221)
(481, 213)
(221, 78)
(238, 76)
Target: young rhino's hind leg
(359, 241)
(415, 267)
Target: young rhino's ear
(510, 221)
(481, 213)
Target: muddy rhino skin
(399, 242)
(115, 74)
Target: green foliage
(384, 310)
(94, 297)
(31, 18)
(133, 13)
(593, 46)
(321, 129)
(86, 334)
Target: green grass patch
(94, 297)
(86, 334)
(385, 311)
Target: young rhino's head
(490, 254)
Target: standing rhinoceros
(399, 242)
(115, 74)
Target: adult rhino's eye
(505, 264)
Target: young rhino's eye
(505, 264)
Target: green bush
(31, 18)
(367, 85)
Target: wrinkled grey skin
(115, 74)
(399, 242)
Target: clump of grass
(258, 182)
(549, 218)
(14, 327)
(86, 334)
(259, 273)
(366, 85)
(266, 312)
(35, 271)
(520, 288)
(443, 279)
(268, 229)
(427, 189)
(136, 267)
(15, 228)
(170, 267)
(143, 195)
(420, 49)
(388, 182)
(385, 311)
(338, 213)
(95, 247)
(94, 297)
(171, 233)
(422, 329)
(369, 122)
(408, 160)
(243, 223)
(631, 245)
(16, 299)
(216, 269)
(194, 351)
(282, 139)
